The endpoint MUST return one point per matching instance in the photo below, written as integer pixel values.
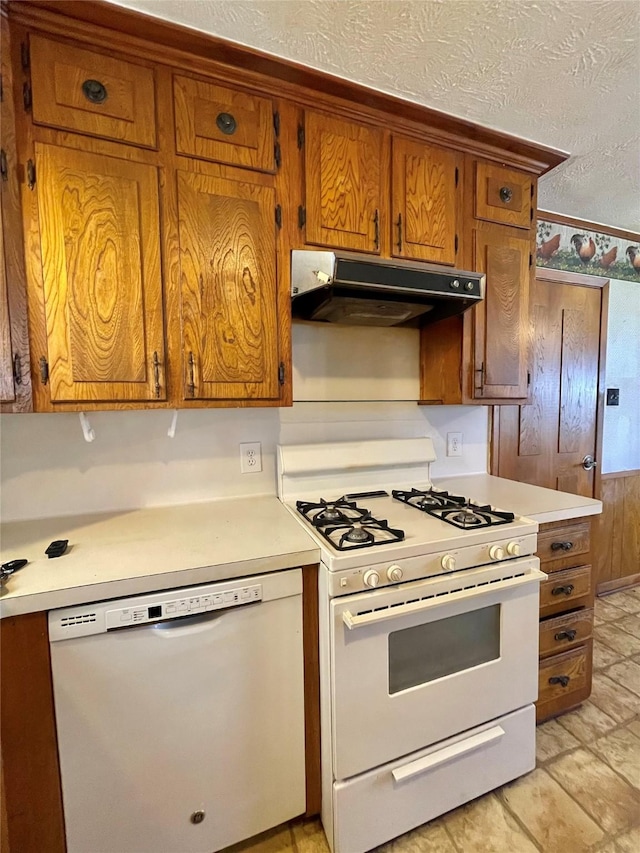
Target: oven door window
(435, 649)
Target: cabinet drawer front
(565, 590)
(223, 125)
(503, 195)
(564, 680)
(92, 93)
(564, 547)
(560, 633)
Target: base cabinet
(566, 611)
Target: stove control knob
(448, 563)
(496, 552)
(394, 573)
(371, 578)
(513, 548)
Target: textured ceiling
(562, 72)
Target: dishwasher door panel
(159, 722)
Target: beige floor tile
(627, 602)
(429, 838)
(551, 816)
(617, 639)
(608, 799)
(621, 750)
(613, 699)
(609, 847)
(629, 842)
(634, 726)
(630, 624)
(485, 826)
(278, 840)
(552, 739)
(605, 610)
(627, 674)
(587, 722)
(309, 837)
(603, 656)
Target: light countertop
(541, 505)
(123, 553)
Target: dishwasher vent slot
(78, 619)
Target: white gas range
(428, 636)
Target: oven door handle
(373, 617)
(447, 753)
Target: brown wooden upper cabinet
(501, 320)
(425, 201)
(343, 190)
(7, 381)
(225, 125)
(503, 195)
(228, 288)
(90, 92)
(101, 278)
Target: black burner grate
(347, 526)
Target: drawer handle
(560, 679)
(566, 635)
(94, 91)
(567, 589)
(226, 123)
(561, 546)
(376, 229)
(506, 194)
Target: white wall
(621, 433)
(48, 469)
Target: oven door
(420, 662)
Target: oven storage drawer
(564, 680)
(383, 803)
(565, 590)
(561, 633)
(564, 547)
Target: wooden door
(343, 183)
(545, 441)
(501, 325)
(425, 202)
(228, 288)
(100, 240)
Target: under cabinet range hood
(364, 290)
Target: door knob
(588, 463)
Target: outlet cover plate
(250, 457)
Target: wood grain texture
(617, 532)
(577, 586)
(424, 209)
(554, 699)
(58, 72)
(562, 277)
(576, 537)
(7, 388)
(561, 633)
(99, 220)
(311, 689)
(198, 103)
(490, 179)
(228, 287)
(342, 181)
(578, 390)
(502, 319)
(29, 746)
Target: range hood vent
(364, 290)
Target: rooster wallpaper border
(568, 248)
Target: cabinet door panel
(100, 228)
(424, 202)
(7, 389)
(501, 330)
(228, 288)
(503, 195)
(342, 179)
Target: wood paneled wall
(617, 532)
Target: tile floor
(584, 794)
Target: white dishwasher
(180, 716)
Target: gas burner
(466, 518)
(429, 499)
(358, 534)
(365, 532)
(472, 516)
(322, 513)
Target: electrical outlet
(250, 457)
(454, 444)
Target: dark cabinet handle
(560, 679)
(156, 374)
(567, 590)
(506, 194)
(399, 232)
(17, 369)
(376, 228)
(94, 91)
(4, 168)
(561, 546)
(226, 123)
(191, 384)
(566, 635)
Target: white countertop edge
(568, 514)
(125, 587)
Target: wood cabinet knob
(506, 194)
(94, 91)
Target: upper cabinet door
(224, 125)
(503, 195)
(342, 180)
(99, 232)
(425, 202)
(228, 288)
(501, 332)
(7, 386)
(89, 92)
